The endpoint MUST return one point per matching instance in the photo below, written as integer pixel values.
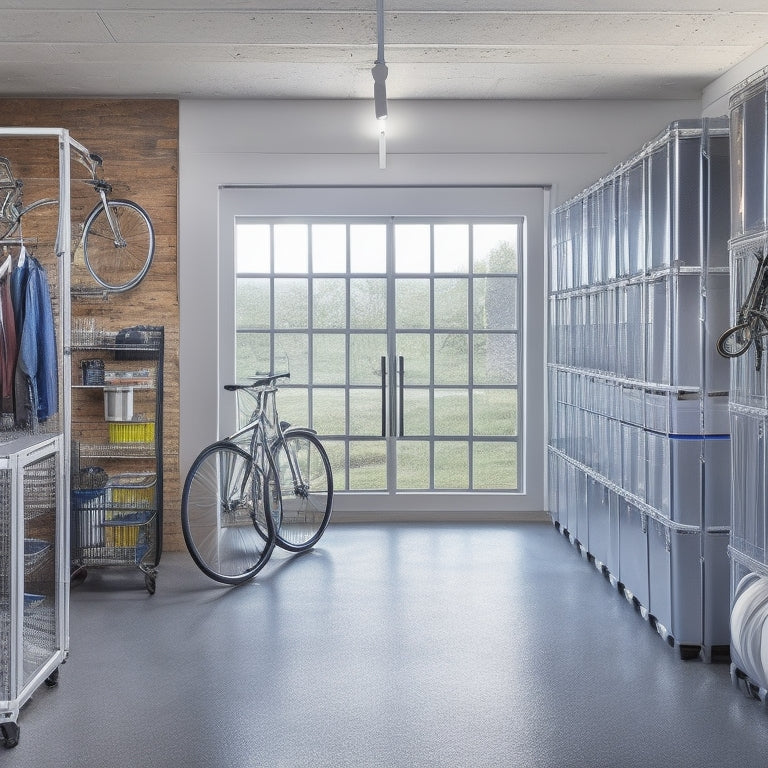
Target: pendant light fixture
(379, 73)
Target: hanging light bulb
(379, 72)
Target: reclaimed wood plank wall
(138, 140)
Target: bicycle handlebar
(262, 381)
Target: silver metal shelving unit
(748, 403)
(638, 422)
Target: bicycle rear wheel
(306, 499)
(226, 527)
(735, 341)
(118, 266)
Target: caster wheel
(77, 576)
(53, 679)
(150, 583)
(10, 733)
(689, 652)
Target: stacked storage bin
(748, 402)
(639, 430)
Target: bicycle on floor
(118, 239)
(751, 319)
(267, 484)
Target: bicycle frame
(754, 303)
(12, 211)
(266, 430)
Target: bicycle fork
(103, 188)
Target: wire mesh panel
(39, 632)
(5, 585)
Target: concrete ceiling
(475, 49)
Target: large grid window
(402, 340)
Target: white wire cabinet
(34, 562)
(34, 475)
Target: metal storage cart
(117, 467)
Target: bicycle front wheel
(119, 260)
(226, 527)
(306, 489)
(735, 341)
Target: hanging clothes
(8, 340)
(22, 390)
(37, 345)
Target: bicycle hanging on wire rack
(267, 484)
(118, 239)
(751, 319)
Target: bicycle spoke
(226, 534)
(119, 264)
(306, 489)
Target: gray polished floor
(388, 645)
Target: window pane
(368, 303)
(451, 412)
(415, 351)
(328, 411)
(412, 303)
(329, 302)
(368, 248)
(329, 358)
(495, 358)
(494, 412)
(413, 465)
(293, 403)
(329, 248)
(291, 248)
(451, 248)
(337, 455)
(451, 359)
(494, 466)
(251, 354)
(495, 303)
(252, 247)
(451, 465)
(494, 247)
(292, 355)
(291, 303)
(451, 297)
(416, 412)
(412, 248)
(367, 465)
(252, 303)
(365, 412)
(365, 352)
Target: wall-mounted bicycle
(751, 319)
(118, 240)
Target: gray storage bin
(598, 542)
(673, 330)
(676, 581)
(633, 460)
(633, 551)
(670, 412)
(632, 405)
(631, 331)
(748, 494)
(631, 219)
(748, 158)
(607, 196)
(716, 589)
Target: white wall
(565, 145)
(717, 94)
